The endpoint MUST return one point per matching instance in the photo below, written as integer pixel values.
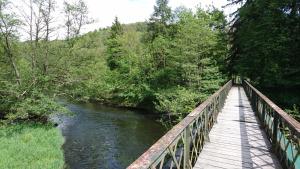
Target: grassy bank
(31, 146)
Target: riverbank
(31, 146)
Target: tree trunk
(11, 59)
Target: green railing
(282, 130)
(181, 146)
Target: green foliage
(265, 42)
(116, 29)
(26, 102)
(178, 101)
(160, 20)
(160, 50)
(31, 146)
(295, 112)
(166, 65)
(114, 48)
(192, 62)
(170, 74)
(202, 50)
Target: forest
(166, 65)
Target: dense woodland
(265, 43)
(265, 47)
(168, 64)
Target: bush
(26, 103)
(295, 112)
(177, 101)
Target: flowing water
(103, 137)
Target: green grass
(31, 146)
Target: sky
(130, 11)
(103, 12)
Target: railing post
(215, 110)
(257, 103)
(187, 139)
(253, 101)
(206, 138)
(275, 127)
(263, 114)
(220, 102)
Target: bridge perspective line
(236, 127)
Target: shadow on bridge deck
(237, 140)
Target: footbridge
(236, 127)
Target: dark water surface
(103, 137)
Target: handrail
(283, 130)
(181, 146)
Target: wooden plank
(229, 157)
(237, 140)
(226, 144)
(220, 164)
(236, 163)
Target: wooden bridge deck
(236, 140)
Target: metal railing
(181, 146)
(282, 130)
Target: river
(102, 137)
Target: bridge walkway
(236, 140)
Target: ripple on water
(104, 137)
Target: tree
(8, 34)
(116, 29)
(265, 42)
(160, 20)
(29, 99)
(158, 37)
(198, 48)
(76, 17)
(47, 19)
(114, 46)
(39, 24)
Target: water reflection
(103, 137)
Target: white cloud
(129, 11)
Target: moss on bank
(31, 146)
